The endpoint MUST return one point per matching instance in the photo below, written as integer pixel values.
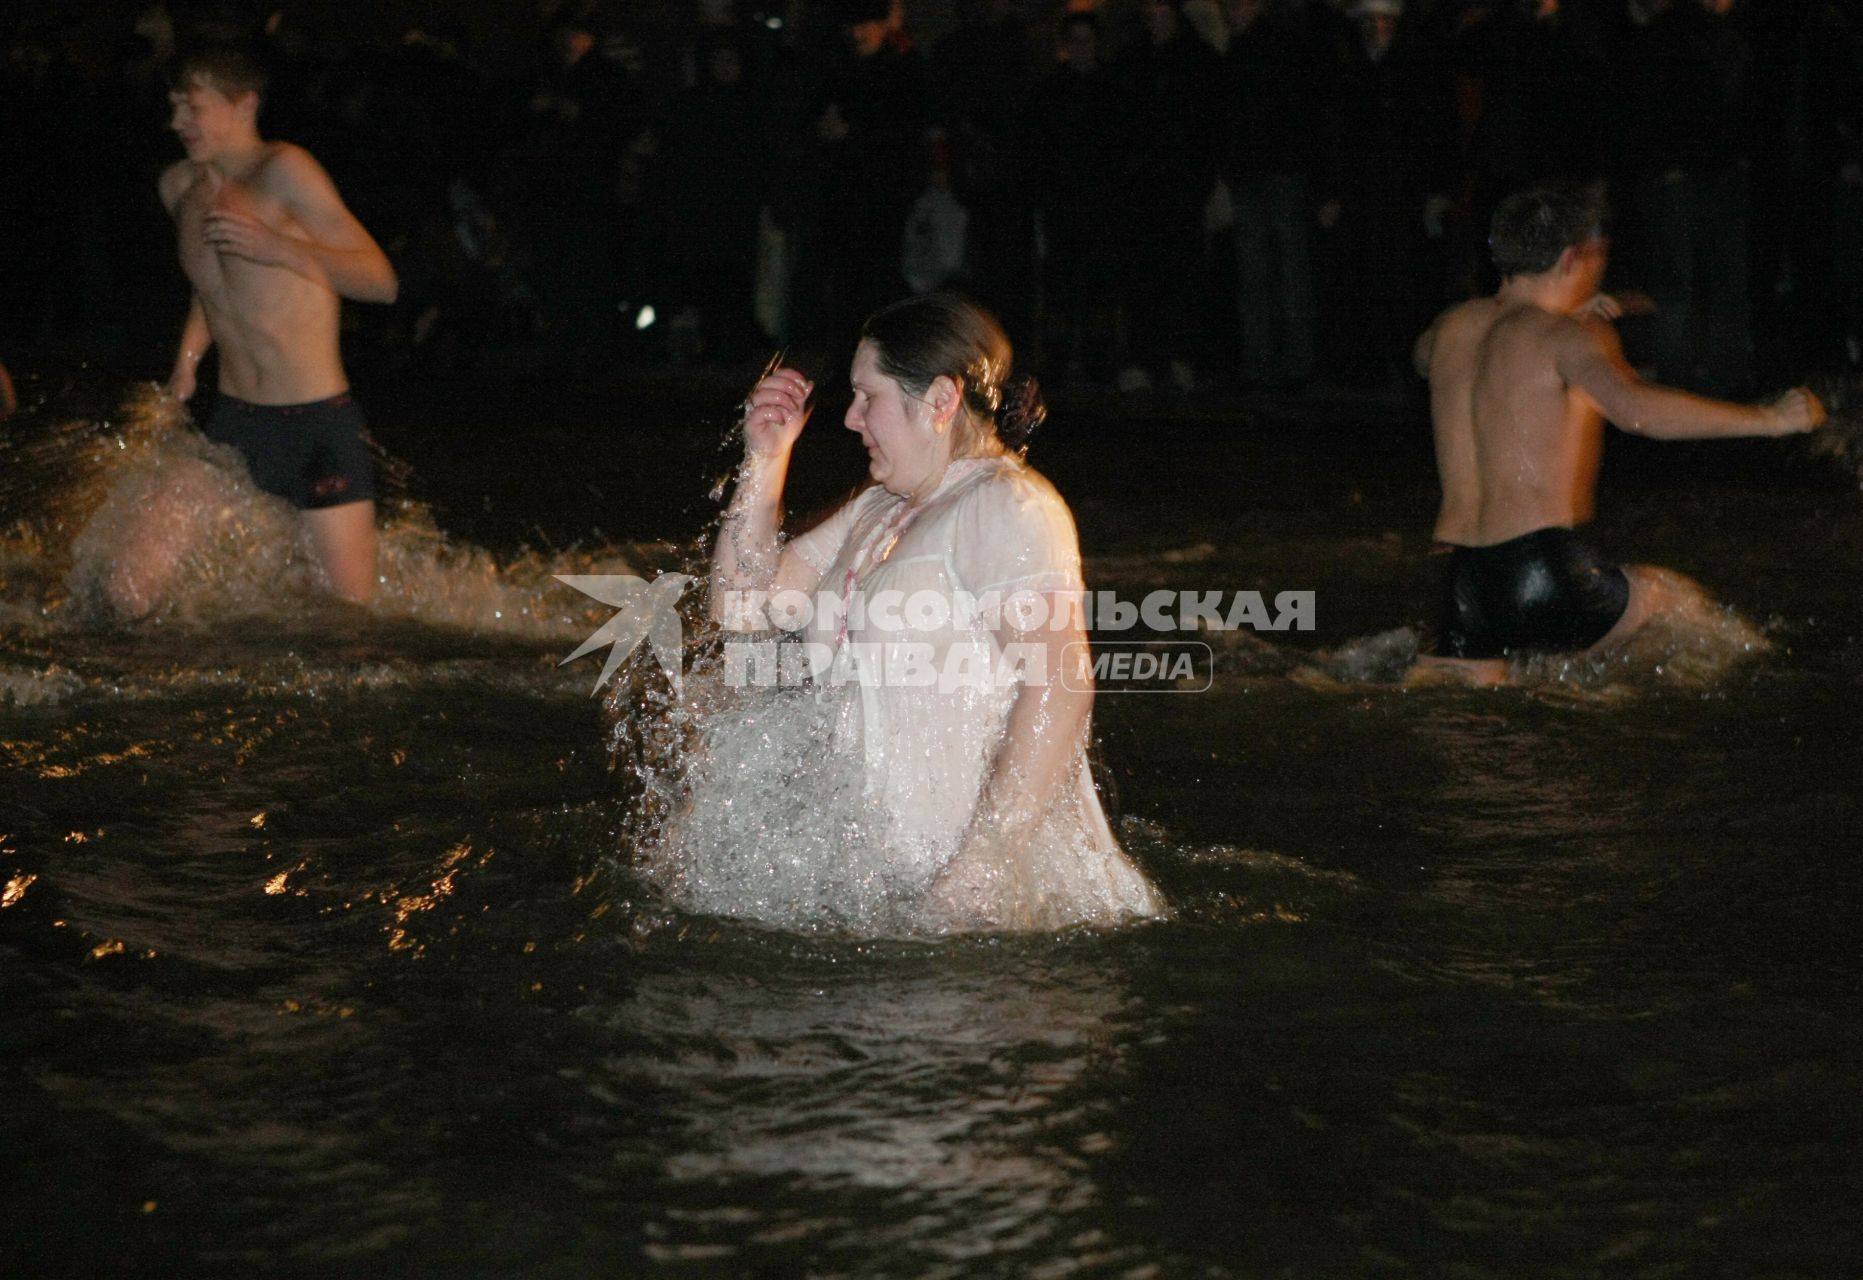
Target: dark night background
(532, 205)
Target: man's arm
(1426, 346)
(174, 180)
(1425, 349)
(1590, 358)
(347, 254)
(337, 250)
(195, 339)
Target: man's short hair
(1532, 228)
(229, 68)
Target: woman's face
(906, 450)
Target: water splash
(762, 804)
(75, 487)
(1840, 439)
(733, 806)
(1692, 644)
(1380, 659)
(770, 826)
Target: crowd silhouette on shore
(1152, 195)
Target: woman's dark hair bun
(1023, 410)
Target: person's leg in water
(1655, 593)
(1478, 673)
(1542, 592)
(166, 530)
(343, 538)
(316, 457)
(313, 456)
(169, 529)
(1437, 668)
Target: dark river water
(320, 956)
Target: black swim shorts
(312, 455)
(1544, 591)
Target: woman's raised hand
(775, 413)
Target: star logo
(649, 611)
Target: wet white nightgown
(909, 708)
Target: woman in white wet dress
(944, 622)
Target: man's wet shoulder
(174, 182)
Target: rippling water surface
(319, 954)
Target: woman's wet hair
(918, 340)
(1531, 228)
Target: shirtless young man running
(270, 250)
(1520, 383)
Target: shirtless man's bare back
(1520, 384)
(270, 250)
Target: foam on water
(25, 687)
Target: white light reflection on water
(961, 1088)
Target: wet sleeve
(820, 545)
(1016, 535)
